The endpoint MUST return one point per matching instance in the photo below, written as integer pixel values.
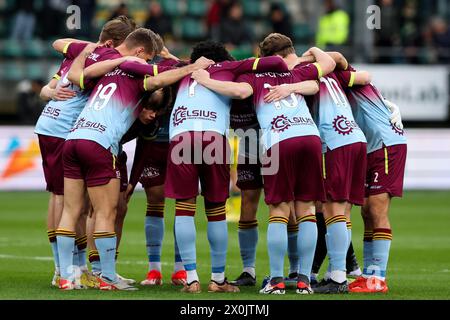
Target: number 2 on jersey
(102, 96)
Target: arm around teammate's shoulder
(234, 90)
(362, 78)
(324, 62)
(170, 77)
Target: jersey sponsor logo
(273, 74)
(245, 175)
(83, 124)
(398, 131)
(94, 56)
(150, 172)
(118, 72)
(182, 113)
(51, 112)
(282, 123)
(344, 126)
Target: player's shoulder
(105, 51)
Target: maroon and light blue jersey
(333, 114)
(371, 114)
(289, 117)
(200, 109)
(113, 106)
(58, 117)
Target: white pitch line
(127, 262)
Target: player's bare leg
(248, 236)
(105, 200)
(73, 208)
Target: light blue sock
(277, 243)
(367, 250)
(96, 266)
(75, 260)
(337, 245)
(306, 242)
(66, 246)
(248, 239)
(185, 236)
(106, 247)
(218, 242)
(380, 256)
(293, 251)
(154, 234)
(54, 246)
(177, 250)
(381, 245)
(349, 237)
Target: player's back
(58, 117)
(373, 116)
(200, 109)
(289, 117)
(112, 107)
(333, 114)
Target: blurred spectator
(280, 19)
(24, 20)
(234, 31)
(388, 36)
(29, 104)
(87, 8)
(333, 27)
(216, 12)
(121, 10)
(410, 33)
(52, 18)
(440, 39)
(158, 21)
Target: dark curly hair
(212, 50)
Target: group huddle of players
(315, 134)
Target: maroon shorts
(52, 162)
(187, 164)
(122, 165)
(385, 171)
(249, 176)
(87, 160)
(345, 173)
(154, 173)
(299, 175)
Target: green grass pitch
(419, 264)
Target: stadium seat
(196, 8)
(13, 71)
(299, 49)
(193, 29)
(34, 49)
(302, 33)
(11, 49)
(172, 7)
(242, 52)
(35, 71)
(252, 8)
